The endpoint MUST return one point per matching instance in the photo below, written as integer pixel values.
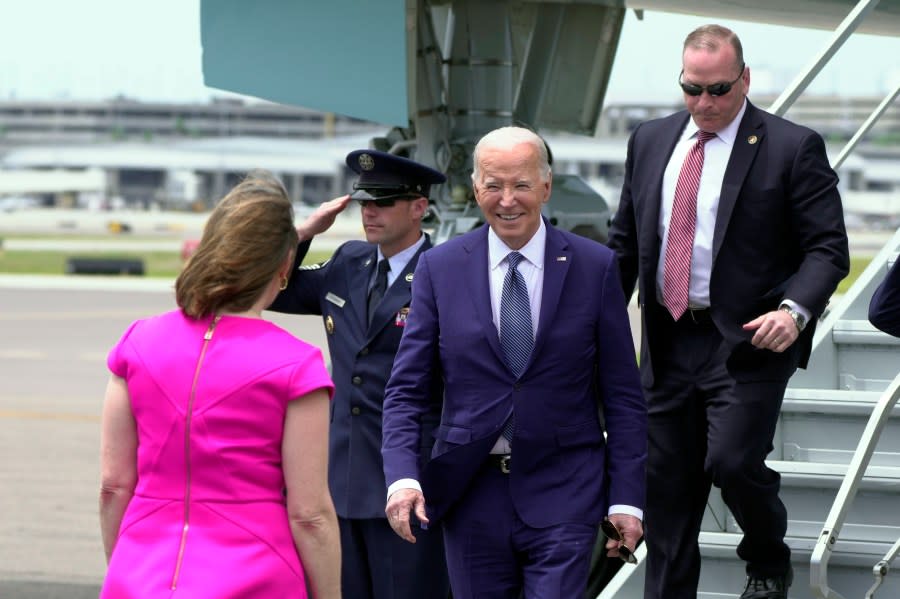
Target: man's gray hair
(507, 138)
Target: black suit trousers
(706, 427)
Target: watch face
(799, 319)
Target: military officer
(363, 295)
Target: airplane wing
(814, 14)
(338, 56)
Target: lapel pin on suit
(409, 277)
(752, 140)
(560, 258)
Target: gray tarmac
(55, 332)
(54, 336)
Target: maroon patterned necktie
(677, 266)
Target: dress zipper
(187, 452)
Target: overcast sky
(96, 49)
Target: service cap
(384, 176)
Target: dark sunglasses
(610, 530)
(715, 90)
(381, 203)
(384, 202)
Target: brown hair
(246, 240)
(710, 36)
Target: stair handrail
(831, 529)
(617, 582)
(880, 570)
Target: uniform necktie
(379, 288)
(682, 224)
(516, 333)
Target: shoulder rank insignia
(313, 266)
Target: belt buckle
(695, 314)
(504, 464)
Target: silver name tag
(337, 301)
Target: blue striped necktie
(516, 334)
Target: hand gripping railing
(818, 565)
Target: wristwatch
(799, 319)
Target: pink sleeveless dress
(208, 516)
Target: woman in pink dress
(215, 428)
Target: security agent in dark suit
(759, 246)
(884, 308)
(364, 306)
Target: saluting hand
(775, 331)
(400, 505)
(322, 217)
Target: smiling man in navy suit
(731, 225)
(526, 326)
(363, 295)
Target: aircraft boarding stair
(824, 416)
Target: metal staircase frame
(832, 526)
(833, 523)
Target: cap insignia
(366, 162)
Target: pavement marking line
(134, 313)
(29, 415)
(22, 354)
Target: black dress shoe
(773, 587)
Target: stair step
(722, 574)
(809, 399)
(825, 425)
(860, 332)
(808, 491)
(722, 545)
(885, 478)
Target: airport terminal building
(185, 156)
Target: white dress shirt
(716, 155)
(398, 262)
(532, 269)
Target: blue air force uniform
(376, 563)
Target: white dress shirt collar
(533, 251)
(399, 260)
(727, 135)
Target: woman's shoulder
(274, 337)
(166, 323)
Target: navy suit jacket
(562, 469)
(884, 308)
(361, 359)
(779, 233)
